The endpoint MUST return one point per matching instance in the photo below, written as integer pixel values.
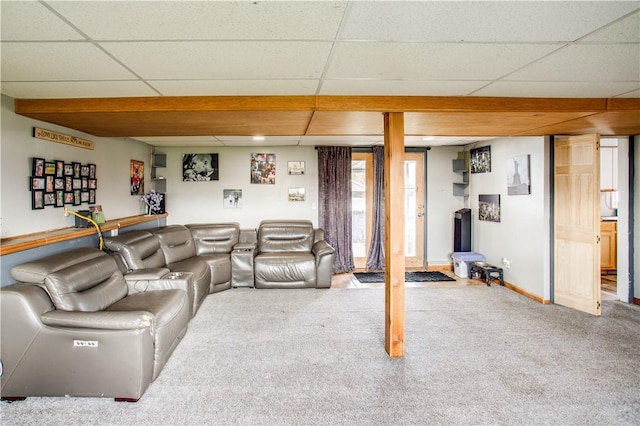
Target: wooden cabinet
(608, 244)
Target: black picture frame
(49, 168)
(85, 183)
(68, 183)
(92, 196)
(77, 199)
(59, 168)
(76, 170)
(77, 183)
(49, 198)
(37, 199)
(93, 183)
(84, 196)
(59, 198)
(92, 171)
(68, 197)
(58, 183)
(38, 167)
(48, 183)
(68, 169)
(84, 170)
(36, 183)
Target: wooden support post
(394, 232)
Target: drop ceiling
(216, 73)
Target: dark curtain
(375, 258)
(334, 193)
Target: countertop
(609, 218)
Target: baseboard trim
(440, 268)
(526, 293)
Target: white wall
(522, 235)
(200, 202)
(17, 148)
(441, 203)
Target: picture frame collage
(57, 183)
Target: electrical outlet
(506, 263)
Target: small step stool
(490, 272)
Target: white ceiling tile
(235, 87)
(586, 62)
(223, 60)
(58, 61)
(205, 20)
(625, 30)
(76, 89)
(554, 89)
(31, 21)
(423, 61)
(484, 21)
(400, 87)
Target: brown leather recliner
(70, 327)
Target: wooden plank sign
(50, 135)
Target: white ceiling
(81, 49)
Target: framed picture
(76, 170)
(77, 200)
(296, 194)
(263, 168)
(59, 198)
(77, 183)
(68, 169)
(518, 176)
(489, 207)
(50, 168)
(232, 198)
(48, 183)
(92, 196)
(136, 172)
(58, 183)
(85, 183)
(37, 199)
(49, 198)
(68, 183)
(38, 167)
(295, 167)
(93, 183)
(200, 167)
(480, 160)
(68, 197)
(84, 171)
(92, 171)
(36, 183)
(84, 196)
(59, 168)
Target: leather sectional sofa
(92, 323)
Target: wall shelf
(159, 183)
(460, 165)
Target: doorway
(362, 178)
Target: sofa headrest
(283, 235)
(176, 243)
(138, 249)
(215, 238)
(82, 279)
(36, 271)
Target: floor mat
(378, 277)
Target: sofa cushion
(201, 277)
(286, 269)
(289, 236)
(138, 249)
(214, 237)
(176, 243)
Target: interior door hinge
(598, 239)
(598, 304)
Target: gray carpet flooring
(474, 355)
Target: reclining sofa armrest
(245, 246)
(321, 248)
(105, 320)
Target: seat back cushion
(139, 249)
(85, 280)
(176, 243)
(287, 235)
(214, 238)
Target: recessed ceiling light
(258, 138)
